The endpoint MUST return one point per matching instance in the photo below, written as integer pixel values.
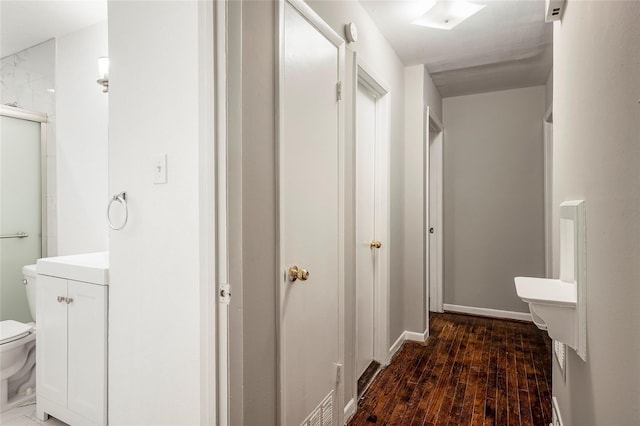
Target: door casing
(547, 123)
(434, 261)
(364, 74)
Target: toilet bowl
(18, 353)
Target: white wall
(420, 92)
(596, 113)
(548, 91)
(255, 210)
(81, 142)
(493, 196)
(414, 120)
(432, 97)
(154, 294)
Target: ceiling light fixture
(445, 15)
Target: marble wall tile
(27, 77)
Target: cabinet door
(51, 339)
(88, 350)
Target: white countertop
(90, 267)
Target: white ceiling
(506, 45)
(24, 23)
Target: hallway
(471, 371)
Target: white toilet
(18, 352)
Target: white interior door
(435, 229)
(311, 219)
(365, 226)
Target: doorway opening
(434, 236)
(371, 129)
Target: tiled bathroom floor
(26, 416)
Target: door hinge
(339, 91)
(224, 293)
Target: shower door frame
(23, 114)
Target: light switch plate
(160, 169)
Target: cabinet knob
(61, 299)
(68, 300)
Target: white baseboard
(493, 313)
(407, 335)
(416, 337)
(350, 410)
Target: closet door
(311, 214)
(365, 227)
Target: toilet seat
(13, 330)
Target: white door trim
(547, 125)
(316, 21)
(212, 36)
(434, 296)
(364, 74)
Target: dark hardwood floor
(471, 371)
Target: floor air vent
(322, 415)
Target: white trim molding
(416, 336)
(485, 312)
(350, 410)
(412, 336)
(435, 296)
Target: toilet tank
(30, 275)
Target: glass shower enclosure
(22, 204)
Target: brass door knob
(296, 273)
(375, 244)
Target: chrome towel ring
(122, 199)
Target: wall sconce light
(103, 72)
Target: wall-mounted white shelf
(559, 305)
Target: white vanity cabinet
(71, 342)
